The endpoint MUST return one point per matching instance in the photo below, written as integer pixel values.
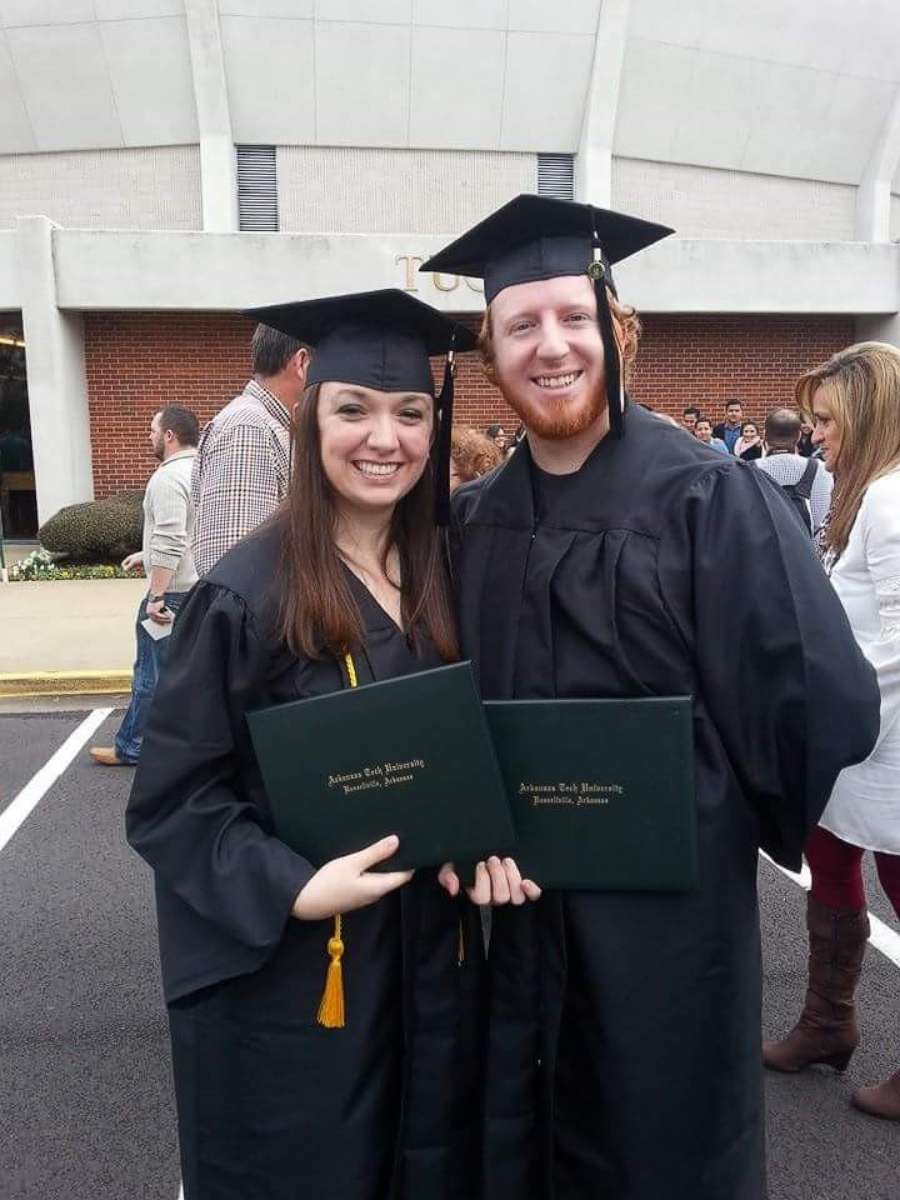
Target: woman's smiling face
(374, 444)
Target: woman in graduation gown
(345, 585)
(609, 558)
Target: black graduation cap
(381, 340)
(541, 237)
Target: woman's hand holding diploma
(347, 883)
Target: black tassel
(444, 415)
(599, 274)
(615, 395)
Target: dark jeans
(150, 657)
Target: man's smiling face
(548, 354)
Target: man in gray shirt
(786, 466)
(169, 566)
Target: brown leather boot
(882, 1100)
(826, 1032)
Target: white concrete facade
(139, 271)
(767, 134)
(154, 187)
(354, 189)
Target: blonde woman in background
(854, 400)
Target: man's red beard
(554, 418)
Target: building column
(57, 379)
(882, 327)
(873, 196)
(593, 162)
(218, 159)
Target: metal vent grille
(556, 176)
(257, 188)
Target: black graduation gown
(624, 1046)
(271, 1106)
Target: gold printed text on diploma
(572, 794)
(377, 776)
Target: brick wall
(702, 360)
(136, 362)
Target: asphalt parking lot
(88, 1112)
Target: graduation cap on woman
(380, 340)
(541, 237)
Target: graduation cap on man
(541, 237)
(381, 340)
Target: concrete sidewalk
(72, 636)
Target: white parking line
(37, 787)
(882, 937)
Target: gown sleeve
(881, 533)
(780, 674)
(189, 815)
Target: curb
(66, 683)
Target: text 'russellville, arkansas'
(382, 775)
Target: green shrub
(96, 532)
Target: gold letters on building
(410, 264)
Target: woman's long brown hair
(862, 385)
(318, 614)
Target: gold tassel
(331, 1009)
(351, 670)
(331, 1006)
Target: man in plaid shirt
(243, 461)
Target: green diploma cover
(410, 756)
(601, 791)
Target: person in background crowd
(497, 434)
(346, 581)
(703, 433)
(614, 557)
(783, 463)
(749, 444)
(805, 446)
(169, 566)
(243, 461)
(729, 430)
(689, 418)
(854, 399)
(472, 454)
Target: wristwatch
(151, 599)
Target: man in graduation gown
(615, 556)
